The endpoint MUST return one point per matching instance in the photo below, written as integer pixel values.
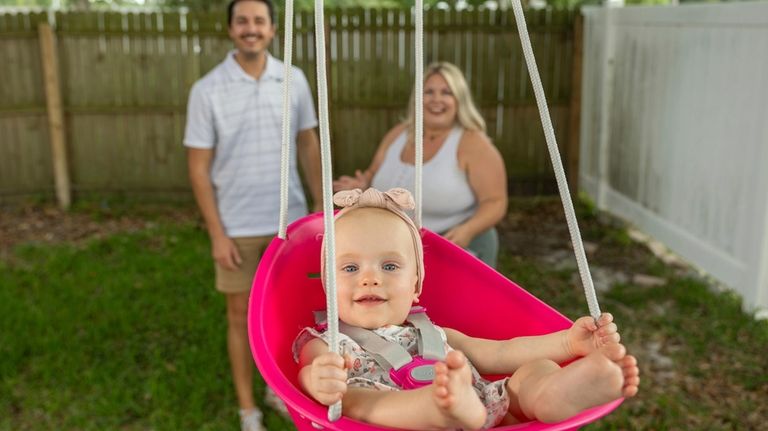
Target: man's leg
(239, 350)
(236, 285)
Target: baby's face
(376, 271)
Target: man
(233, 140)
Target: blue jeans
(485, 246)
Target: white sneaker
(250, 420)
(275, 403)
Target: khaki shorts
(240, 280)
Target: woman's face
(439, 103)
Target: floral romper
(366, 372)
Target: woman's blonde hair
(466, 112)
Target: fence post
(606, 100)
(574, 120)
(761, 280)
(55, 115)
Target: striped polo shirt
(241, 119)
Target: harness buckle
(415, 374)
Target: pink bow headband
(397, 201)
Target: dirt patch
(50, 225)
(538, 229)
(533, 228)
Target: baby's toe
(614, 351)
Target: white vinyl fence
(674, 133)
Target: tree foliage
(214, 5)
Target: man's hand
(225, 252)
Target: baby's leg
(454, 394)
(544, 391)
(449, 402)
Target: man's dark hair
(231, 10)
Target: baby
(379, 272)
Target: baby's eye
(389, 266)
(349, 268)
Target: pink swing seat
(460, 292)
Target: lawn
(118, 328)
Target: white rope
(334, 411)
(418, 133)
(557, 164)
(285, 154)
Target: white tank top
(447, 197)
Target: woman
(464, 182)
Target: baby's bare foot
(613, 351)
(628, 365)
(631, 373)
(602, 376)
(454, 395)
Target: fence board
(25, 165)
(126, 77)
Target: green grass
(127, 333)
(717, 379)
(124, 333)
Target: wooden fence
(124, 80)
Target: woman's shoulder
(393, 134)
(396, 131)
(475, 142)
(474, 137)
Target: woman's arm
(362, 179)
(487, 177)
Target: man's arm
(308, 146)
(224, 250)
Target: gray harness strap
(391, 355)
(430, 343)
(388, 355)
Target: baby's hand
(585, 336)
(328, 377)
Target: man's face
(251, 28)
